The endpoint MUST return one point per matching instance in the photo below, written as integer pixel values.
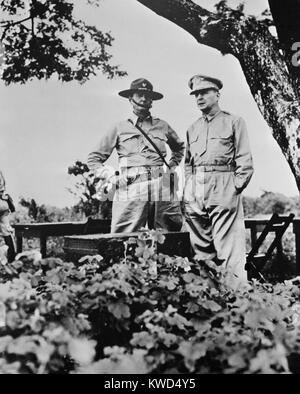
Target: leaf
(139, 251)
(170, 283)
(191, 353)
(261, 362)
(142, 339)
(2, 314)
(125, 364)
(211, 305)
(82, 350)
(44, 352)
(183, 262)
(13, 320)
(4, 291)
(202, 327)
(153, 269)
(119, 310)
(131, 241)
(148, 252)
(91, 259)
(36, 321)
(158, 236)
(168, 339)
(4, 341)
(9, 368)
(56, 334)
(35, 280)
(258, 318)
(237, 360)
(269, 360)
(194, 290)
(192, 307)
(188, 278)
(3, 254)
(22, 346)
(33, 255)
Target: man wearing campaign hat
(218, 167)
(140, 198)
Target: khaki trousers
(214, 217)
(145, 204)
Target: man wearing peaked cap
(218, 167)
(202, 82)
(142, 192)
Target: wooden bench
(45, 230)
(111, 246)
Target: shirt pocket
(221, 145)
(159, 139)
(129, 143)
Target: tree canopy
(42, 38)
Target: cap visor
(202, 90)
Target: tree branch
(189, 16)
(9, 24)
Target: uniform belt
(142, 174)
(214, 168)
(143, 170)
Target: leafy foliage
(41, 213)
(269, 202)
(85, 191)
(147, 313)
(42, 38)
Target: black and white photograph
(149, 189)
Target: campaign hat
(141, 85)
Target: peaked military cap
(202, 82)
(141, 85)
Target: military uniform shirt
(218, 140)
(132, 147)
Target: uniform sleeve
(176, 146)
(243, 158)
(188, 168)
(103, 150)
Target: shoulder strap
(151, 142)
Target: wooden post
(253, 235)
(296, 228)
(43, 244)
(19, 239)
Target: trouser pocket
(169, 215)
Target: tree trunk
(274, 88)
